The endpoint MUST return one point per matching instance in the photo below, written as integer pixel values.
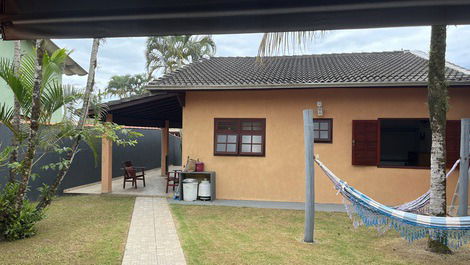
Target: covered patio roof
(32, 19)
(148, 110)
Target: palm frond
(53, 65)
(14, 83)
(274, 43)
(5, 154)
(92, 141)
(56, 96)
(100, 110)
(6, 116)
(172, 52)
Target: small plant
(16, 224)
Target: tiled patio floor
(155, 186)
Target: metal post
(309, 177)
(464, 167)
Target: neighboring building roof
(373, 69)
(71, 67)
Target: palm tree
(124, 86)
(437, 104)
(39, 94)
(16, 110)
(46, 197)
(168, 53)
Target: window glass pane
(220, 148)
(316, 134)
(257, 126)
(232, 139)
(246, 139)
(324, 125)
(256, 148)
(257, 139)
(316, 125)
(231, 147)
(227, 125)
(323, 134)
(221, 138)
(246, 148)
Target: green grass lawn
(230, 235)
(77, 230)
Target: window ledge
(404, 167)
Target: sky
(119, 56)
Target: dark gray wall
(85, 169)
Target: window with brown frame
(244, 137)
(400, 142)
(323, 130)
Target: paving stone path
(152, 235)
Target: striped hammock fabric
(451, 231)
(420, 205)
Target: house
(27, 47)
(243, 118)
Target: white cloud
(120, 56)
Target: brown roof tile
(397, 68)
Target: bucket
(199, 166)
(190, 190)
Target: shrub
(16, 224)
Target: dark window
(400, 142)
(323, 130)
(405, 142)
(239, 137)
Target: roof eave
(299, 86)
(71, 67)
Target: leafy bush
(16, 224)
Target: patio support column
(165, 141)
(107, 162)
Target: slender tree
(438, 105)
(27, 165)
(46, 197)
(168, 53)
(16, 111)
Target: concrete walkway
(152, 238)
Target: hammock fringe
(361, 215)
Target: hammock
(451, 231)
(420, 205)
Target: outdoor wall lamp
(319, 108)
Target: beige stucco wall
(279, 176)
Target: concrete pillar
(165, 142)
(107, 162)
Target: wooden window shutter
(364, 142)
(452, 142)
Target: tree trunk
(16, 112)
(437, 103)
(27, 163)
(45, 200)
